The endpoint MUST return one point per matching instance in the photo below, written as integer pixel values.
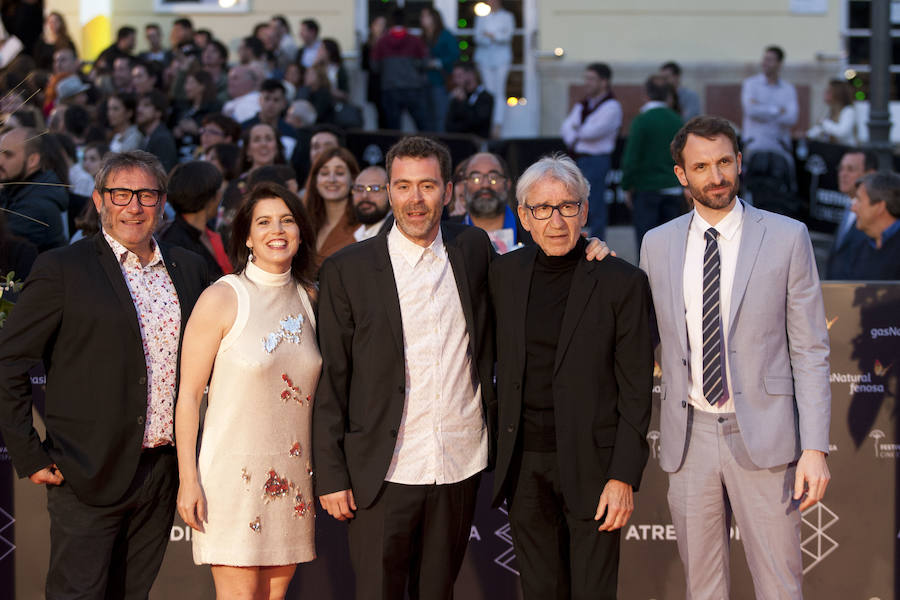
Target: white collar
(411, 252)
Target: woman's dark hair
(53, 157)
(129, 101)
(841, 93)
(246, 162)
(205, 80)
(89, 219)
(314, 202)
(192, 185)
(431, 38)
(229, 156)
(332, 50)
(303, 264)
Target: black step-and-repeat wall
(850, 541)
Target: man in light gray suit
(745, 403)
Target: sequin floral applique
(276, 486)
(289, 330)
(255, 525)
(292, 392)
(245, 477)
(301, 508)
(296, 451)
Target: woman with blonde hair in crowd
(838, 126)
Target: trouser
(413, 537)
(594, 167)
(652, 208)
(718, 477)
(559, 556)
(113, 552)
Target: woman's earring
(251, 258)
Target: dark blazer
(602, 379)
(360, 398)
(75, 313)
(161, 144)
(463, 117)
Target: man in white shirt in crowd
(370, 203)
(590, 132)
(770, 108)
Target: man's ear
(33, 162)
(679, 173)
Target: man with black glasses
(106, 316)
(574, 373)
(487, 185)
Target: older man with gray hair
(106, 315)
(574, 387)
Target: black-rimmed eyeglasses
(123, 196)
(542, 212)
(359, 189)
(491, 178)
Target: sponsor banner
(848, 542)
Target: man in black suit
(405, 405)
(105, 315)
(574, 376)
(471, 105)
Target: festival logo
(6, 546)
(506, 558)
(815, 543)
(653, 440)
(830, 322)
(861, 383)
(880, 332)
(883, 450)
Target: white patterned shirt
(159, 316)
(442, 437)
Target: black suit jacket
(360, 398)
(602, 379)
(463, 117)
(75, 313)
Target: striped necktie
(712, 322)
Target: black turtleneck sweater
(547, 297)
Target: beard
(714, 196)
(369, 213)
(8, 177)
(485, 203)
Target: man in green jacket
(647, 177)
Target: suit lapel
(114, 274)
(583, 283)
(177, 277)
(752, 231)
(458, 264)
(518, 308)
(677, 249)
(387, 289)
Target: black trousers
(413, 537)
(113, 552)
(559, 556)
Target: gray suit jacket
(777, 340)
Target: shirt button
(683, 361)
(510, 428)
(140, 420)
(393, 433)
(721, 419)
(401, 389)
(683, 403)
(142, 380)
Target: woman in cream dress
(249, 494)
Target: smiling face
(710, 173)
(418, 195)
(333, 180)
(131, 225)
(92, 160)
(558, 234)
(263, 147)
(274, 235)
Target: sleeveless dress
(254, 465)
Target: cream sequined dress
(254, 463)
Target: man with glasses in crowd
(574, 374)
(371, 204)
(106, 316)
(487, 187)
